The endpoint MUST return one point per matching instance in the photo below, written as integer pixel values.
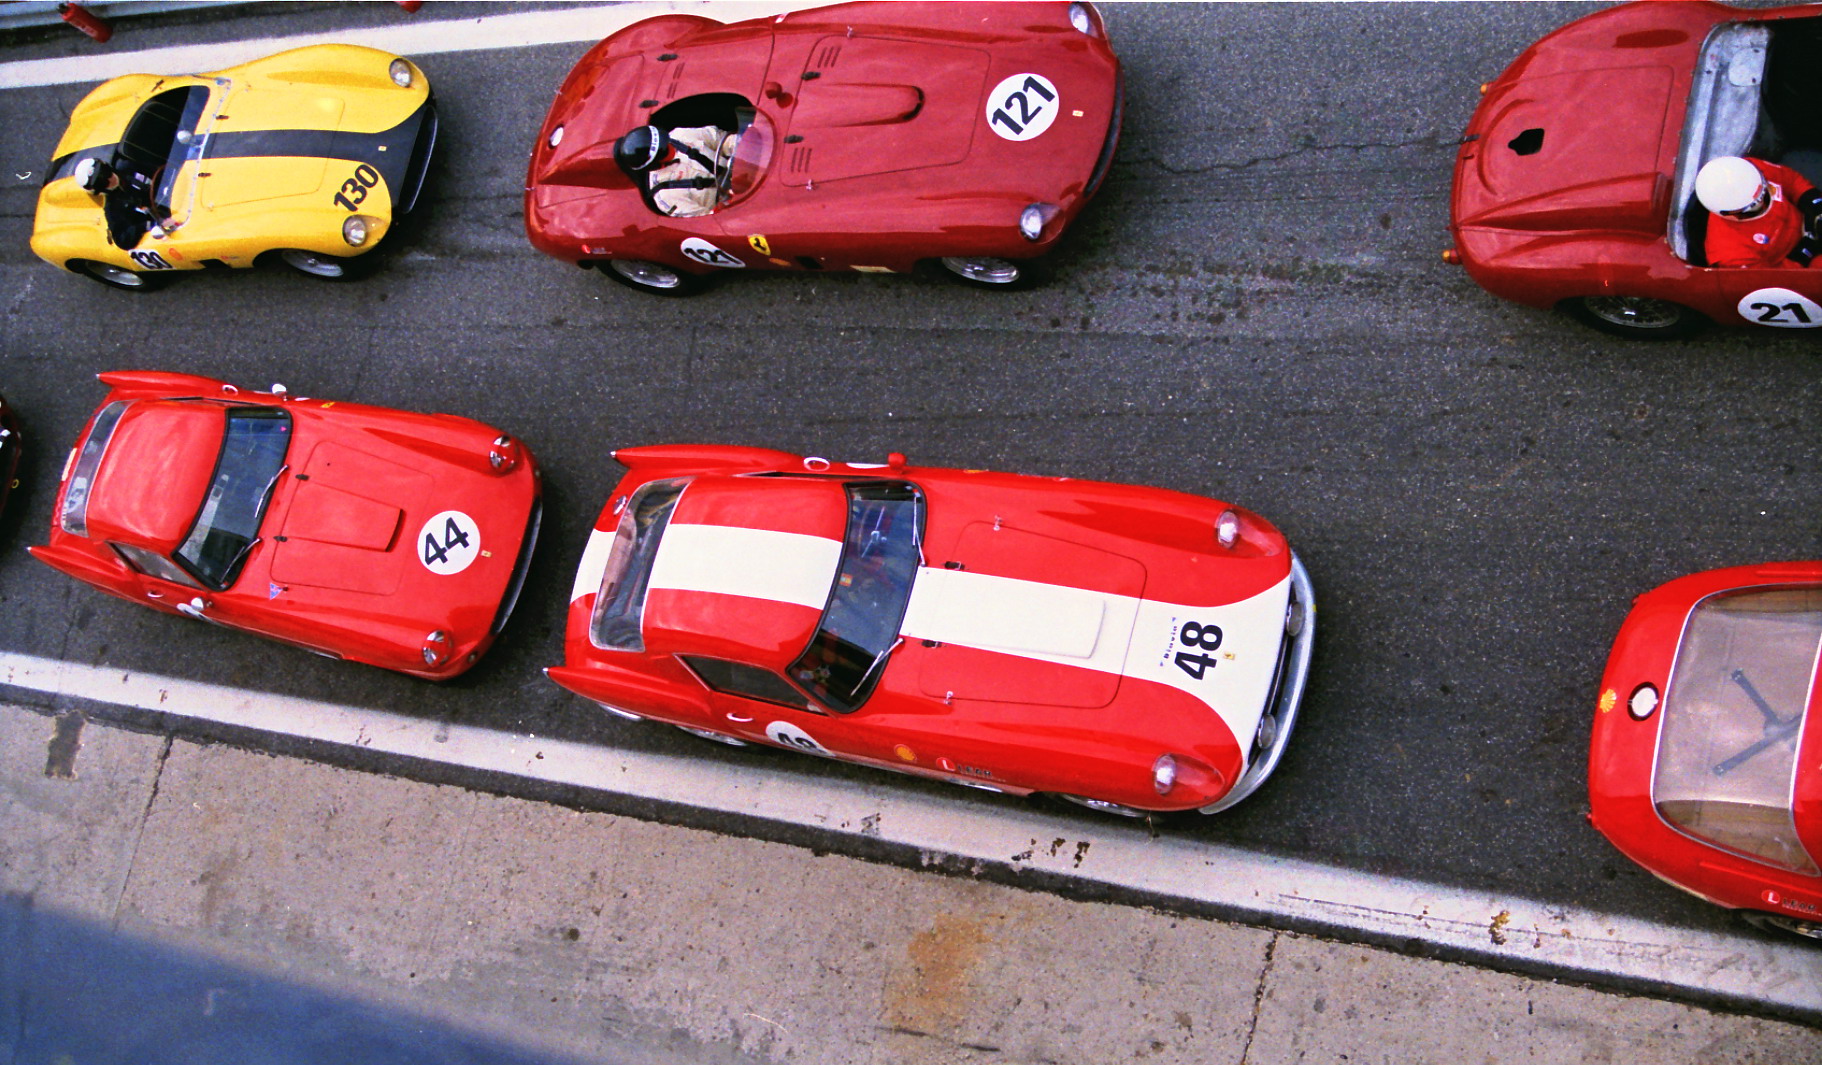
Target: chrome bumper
(1300, 616)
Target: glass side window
(880, 553)
(73, 516)
(620, 605)
(748, 682)
(252, 460)
(1733, 717)
(153, 564)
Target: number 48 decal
(1207, 637)
(448, 542)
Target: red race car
(391, 538)
(1575, 183)
(1702, 769)
(865, 136)
(1128, 649)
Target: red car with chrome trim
(1706, 768)
(396, 539)
(1133, 650)
(863, 136)
(1575, 181)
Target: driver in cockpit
(677, 166)
(124, 203)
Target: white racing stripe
(1501, 928)
(407, 36)
(757, 563)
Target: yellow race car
(309, 155)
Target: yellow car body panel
(274, 154)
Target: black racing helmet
(642, 148)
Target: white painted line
(1494, 926)
(520, 29)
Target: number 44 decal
(448, 542)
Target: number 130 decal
(1781, 307)
(1022, 106)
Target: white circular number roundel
(699, 250)
(448, 542)
(1781, 307)
(1022, 106)
(788, 735)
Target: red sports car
(864, 136)
(1703, 770)
(1575, 183)
(386, 537)
(1128, 649)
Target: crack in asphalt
(1428, 140)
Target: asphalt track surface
(1254, 309)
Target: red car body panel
(1036, 651)
(1624, 753)
(1567, 178)
(884, 151)
(339, 566)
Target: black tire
(982, 271)
(118, 277)
(709, 736)
(323, 267)
(1076, 803)
(1778, 924)
(1634, 317)
(655, 279)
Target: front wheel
(655, 278)
(316, 264)
(985, 272)
(1100, 806)
(1777, 922)
(118, 276)
(1634, 317)
(715, 737)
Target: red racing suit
(1776, 237)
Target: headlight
(433, 655)
(556, 137)
(1032, 219)
(1164, 774)
(1227, 528)
(401, 70)
(354, 230)
(1644, 700)
(1081, 16)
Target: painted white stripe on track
(1490, 925)
(519, 29)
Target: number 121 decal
(1022, 106)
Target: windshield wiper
(265, 494)
(1774, 729)
(878, 661)
(233, 566)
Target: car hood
(343, 525)
(1535, 160)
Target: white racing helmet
(92, 174)
(1728, 183)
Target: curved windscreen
(880, 554)
(74, 514)
(1733, 716)
(620, 605)
(252, 458)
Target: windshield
(880, 554)
(165, 133)
(1733, 716)
(620, 606)
(741, 171)
(252, 459)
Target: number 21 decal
(1208, 638)
(1780, 307)
(448, 542)
(149, 260)
(1022, 106)
(354, 190)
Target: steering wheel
(724, 165)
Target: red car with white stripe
(1705, 768)
(1131, 649)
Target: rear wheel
(655, 278)
(986, 272)
(1777, 922)
(118, 276)
(1100, 806)
(1634, 317)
